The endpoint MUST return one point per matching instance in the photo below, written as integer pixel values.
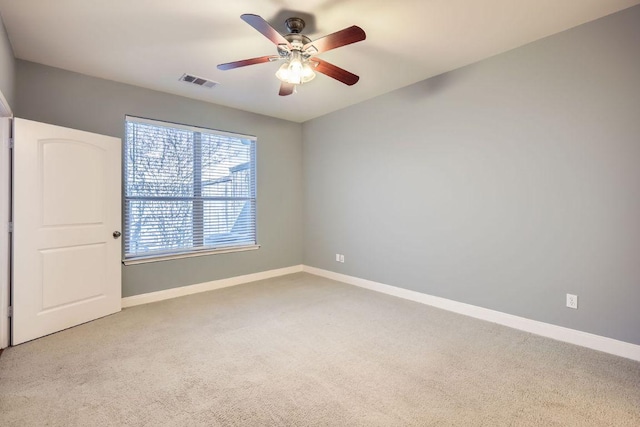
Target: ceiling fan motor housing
(297, 40)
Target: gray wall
(55, 96)
(7, 67)
(505, 184)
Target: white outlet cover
(341, 258)
(572, 301)
(338, 257)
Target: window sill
(157, 258)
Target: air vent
(200, 81)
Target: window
(188, 191)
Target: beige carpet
(305, 351)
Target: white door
(5, 192)
(66, 208)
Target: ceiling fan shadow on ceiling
(300, 52)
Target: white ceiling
(151, 43)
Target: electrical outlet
(572, 301)
(341, 258)
(338, 257)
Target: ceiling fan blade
(245, 62)
(335, 72)
(286, 89)
(341, 38)
(264, 28)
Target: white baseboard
(207, 286)
(584, 339)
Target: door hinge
(10, 311)
(10, 226)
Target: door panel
(72, 274)
(62, 163)
(66, 263)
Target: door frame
(5, 215)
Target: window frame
(197, 198)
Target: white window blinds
(187, 190)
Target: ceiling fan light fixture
(295, 72)
(307, 73)
(283, 72)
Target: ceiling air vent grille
(199, 81)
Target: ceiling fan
(299, 53)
